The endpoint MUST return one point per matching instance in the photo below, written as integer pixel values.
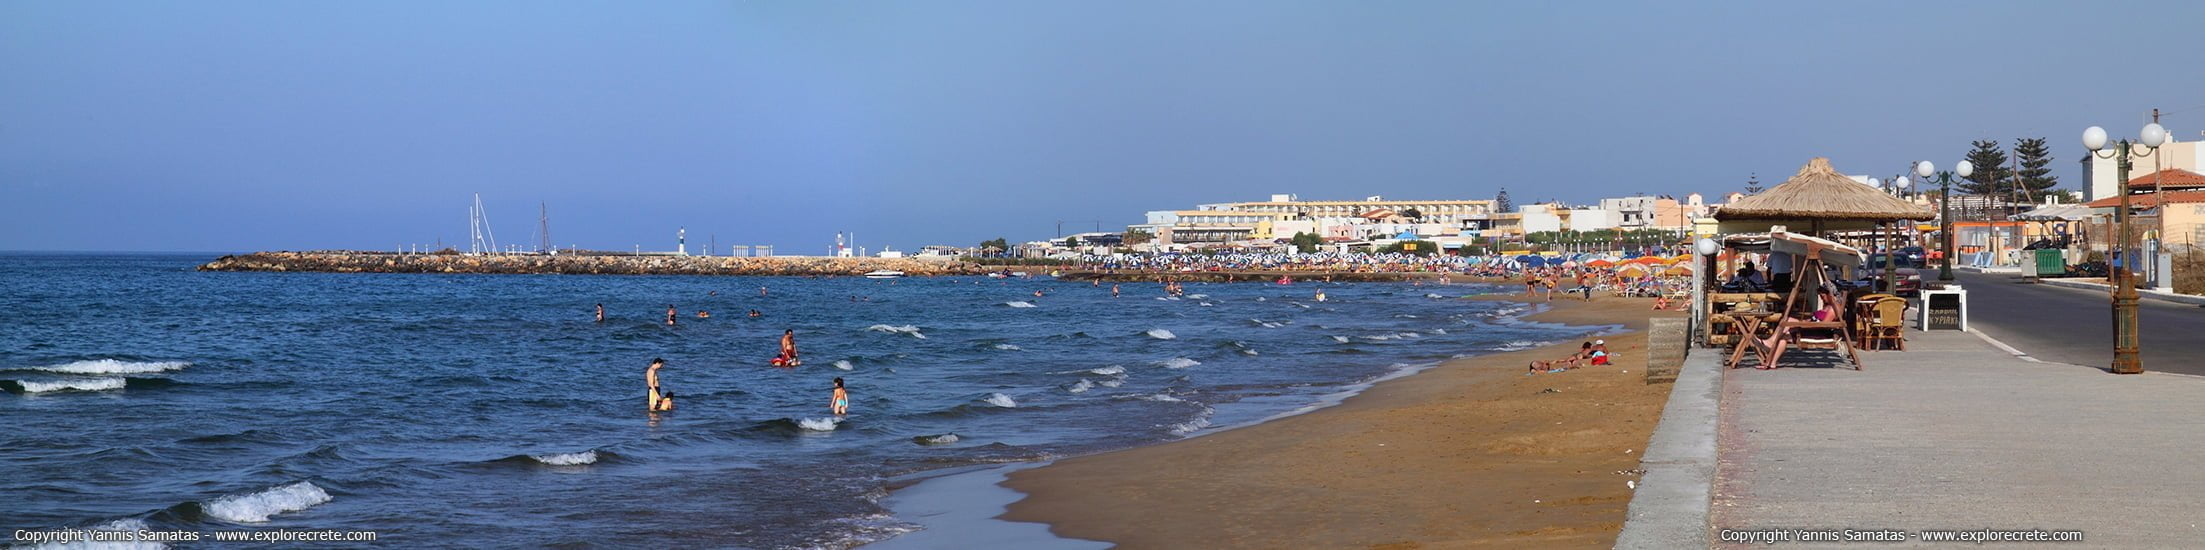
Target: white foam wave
(1267, 324)
(1340, 339)
(1163, 397)
(1199, 422)
(1112, 382)
(941, 439)
(1161, 334)
(1000, 400)
(1198, 296)
(1439, 331)
(567, 459)
(844, 364)
(898, 329)
(1019, 304)
(1177, 363)
(1168, 298)
(1394, 336)
(91, 384)
(1080, 387)
(1109, 370)
(256, 507)
(818, 424)
(1007, 347)
(1434, 296)
(111, 366)
(1517, 345)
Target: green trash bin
(2049, 263)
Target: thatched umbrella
(1821, 197)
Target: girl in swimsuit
(842, 399)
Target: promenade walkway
(1958, 434)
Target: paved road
(2075, 326)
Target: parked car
(1909, 278)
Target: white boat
(884, 274)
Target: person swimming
(1037, 294)
(600, 313)
(841, 404)
(755, 313)
(670, 315)
(702, 314)
(1113, 290)
(650, 380)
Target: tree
(1991, 177)
(1502, 204)
(998, 243)
(1753, 184)
(1413, 214)
(1137, 236)
(1306, 242)
(2036, 165)
(1071, 242)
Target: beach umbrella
(1678, 259)
(1633, 269)
(1646, 260)
(1600, 263)
(1685, 269)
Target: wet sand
(1470, 454)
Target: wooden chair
(1888, 324)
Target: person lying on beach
(1583, 352)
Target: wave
(844, 364)
(1434, 296)
(567, 459)
(1163, 397)
(1394, 336)
(1000, 400)
(1160, 334)
(898, 329)
(819, 424)
(1207, 304)
(125, 524)
(1177, 363)
(256, 507)
(1200, 421)
(1266, 324)
(111, 366)
(1439, 331)
(1518, 345)
(936, 439)
(1007, 347)
(88, 384)
(1108, 371)
(1198, 296)
(1112, 382)
(1020, 304)
(1340, 339)
(1079, 387)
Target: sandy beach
(1472, 453)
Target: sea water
(492, 410)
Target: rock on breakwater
(582, 264)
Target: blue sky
(232, 126)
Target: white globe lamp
(2094, 138)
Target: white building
(2101, 176)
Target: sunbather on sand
(1567, 363)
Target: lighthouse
(681, 242)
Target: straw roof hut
(1819, 192)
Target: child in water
(841, 402)
(665, 402)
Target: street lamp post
(2125, 360)
(1944, 201)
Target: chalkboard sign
(1944, 311)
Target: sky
(237, 126)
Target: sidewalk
(1956, 434)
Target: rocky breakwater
(583, 264)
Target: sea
(494, 411)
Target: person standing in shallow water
(670, 315)
(650, 380)
(841, 404)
